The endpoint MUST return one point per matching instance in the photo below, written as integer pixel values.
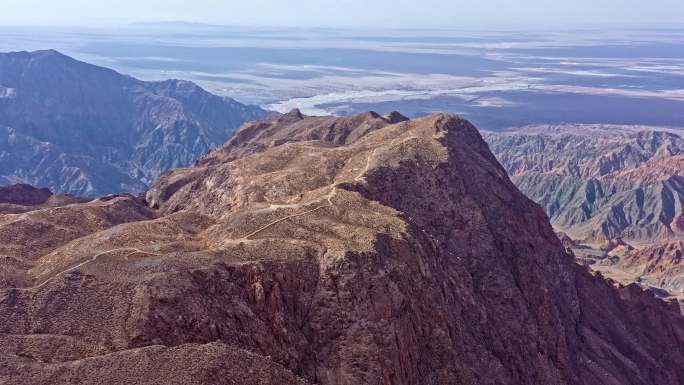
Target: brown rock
(347, 250)
(25, 195)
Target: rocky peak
(294, 127)
(38, 56)
(292, 116)
(178, 88)
(341, 251)
(395, 117)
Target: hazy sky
(363, 13)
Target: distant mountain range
(86, 130)
(600, 183)
(615, 192)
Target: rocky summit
(86, 130)
(334, 251)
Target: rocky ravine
(86, 130)
(333, 251)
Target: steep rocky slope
(362, 250)
(86, 130)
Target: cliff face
(86, 130)
(363, 250)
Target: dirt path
(20, 217)
(329, 198)
(93, 259)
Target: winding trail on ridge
(328, 198)
(333, 192)
(93, 259)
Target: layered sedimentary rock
(604, 185)
(87, 130)
(361, 250)
(600, 183)
(659, 265)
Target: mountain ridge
(360, 252)
(65, 123)
(617, 192)
(600, 185)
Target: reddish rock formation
(598, 184)
(22, 194)
(346, 251)
(660, 265)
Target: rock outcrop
(23, 194)
(332, 251)
(85, 130)
(21, 198)
(660, 265)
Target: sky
(350, 13)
